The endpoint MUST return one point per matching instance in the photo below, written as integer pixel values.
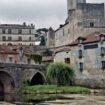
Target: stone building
(16, 54)
(50, 39)
(15, 34)
(87, 56)
(83, 19)
(80, 42)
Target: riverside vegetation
(58, 76)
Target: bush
(59, 74)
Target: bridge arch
(38, 79)
(7, 84)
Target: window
(91, 24)
(81, 66)
(9, 31)
(30, 38)
(20, 38)
(67, 60)
(102, 51)
(9, 38)
(30, 31)
(10, 60)
(19, 31)
(103, 64)
(3, 31)
(80, 54)
(29, 61)
(4, 38)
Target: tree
(37, 58)
(43, 41)
(47, 52)
(59, 74)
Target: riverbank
(51, 89)
(50, 92)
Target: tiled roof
(47, 58)
(63, 48)
(14, 49)
(94, 37)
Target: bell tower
(72, 4)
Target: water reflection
(75, 99)
(1, 97)
(7, 97)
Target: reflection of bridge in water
(12, 76)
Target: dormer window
(81, 39)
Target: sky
(42, 13)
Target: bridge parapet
(21, 72)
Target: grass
(48, 88)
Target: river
(74, 99)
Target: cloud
(43, 13)
(33, 11)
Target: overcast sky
(42, 13)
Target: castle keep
(83, 19)
(81, 42)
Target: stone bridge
(12, 76)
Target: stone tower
(72, 4)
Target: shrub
(59, 73)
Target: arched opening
(1, 91)
(1, 88)
(38, 79)
(7, 84)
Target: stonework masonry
(83, 19)
(16, 34)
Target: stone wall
(16, 75)
(92, 74)
(83, 19)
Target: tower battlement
(72, 4)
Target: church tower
(72, 4)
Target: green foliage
(47, 88)
(37, 58)
(26, 82)
(41, 97)
(47, 52)
(59, 73)
(43, 41)
(43, 29)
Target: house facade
(87, 56)
(16, 54)
(16, 34)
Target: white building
(15, 34)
